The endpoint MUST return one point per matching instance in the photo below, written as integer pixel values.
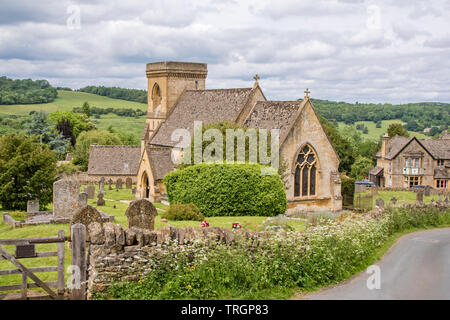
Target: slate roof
(208, 106)
(375, 171)
(273, 115)
(161, 161)
(438, 148)
(114, 160)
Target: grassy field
(375, 133)
(67, 100)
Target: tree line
(117, 93)
(417, 116)
(26, 91)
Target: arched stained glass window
(305, 178)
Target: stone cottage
(406, 162)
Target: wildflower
(204, 224)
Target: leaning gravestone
(379, 203)
(119, 183)
(90, 190)
(101, 186)
(128, 183)
(100, 200)
(141, 214)
(66, 198)
(419, 198)
(32, 206)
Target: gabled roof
(437, 148)
(114, 160)
(208, 106)
(273, 115)
(161, 161)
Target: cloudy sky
(346, 50)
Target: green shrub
(347, 190)
(179, 211)
(228, 189)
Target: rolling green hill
(66, 101)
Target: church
(177, 97)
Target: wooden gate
(26, 248)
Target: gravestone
(427, 191)
(100, 200)
(393, 201)
(119, 183)
(110, 184)
(141, 214)
(133, 190)
(101, 185)
(66, 198)
(419, 198)
(90, 190)
(33, 206)
(128, 183)
(379, 203)
(83, 197)
(86, 215)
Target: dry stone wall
(118, 254)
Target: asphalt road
(416, 267)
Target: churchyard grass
(402, 197)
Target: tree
(27, 171)
(369, 149)
(70, 124)
(47, 133)
(342, 146)
(86, 139)
(360, 168)
(86, 109)
(397, 129)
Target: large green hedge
(227, 189)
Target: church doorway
(145, 186)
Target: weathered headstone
(66, 198)
(83, 197)
(90, 190)
(110, 184)
(128, 183)
(86, 215)
(32, 206)
(119, 183)
(100, 200)
(101, 185)
(419, 198)
(141, 214)
(379, 203)
(427, 191)
(133, 190)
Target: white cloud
(341, 49)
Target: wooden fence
(26, 248)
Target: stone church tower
(166, 82)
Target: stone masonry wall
(116, 254)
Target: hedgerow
(228, 189)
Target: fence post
(78, 232)
(60, 283)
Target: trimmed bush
(228, 189)
(183, 212)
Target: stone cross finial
(307, 92)
(256, 77)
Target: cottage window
(441, 183)
(305, 177)
(440, 163)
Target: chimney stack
(384, 142)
